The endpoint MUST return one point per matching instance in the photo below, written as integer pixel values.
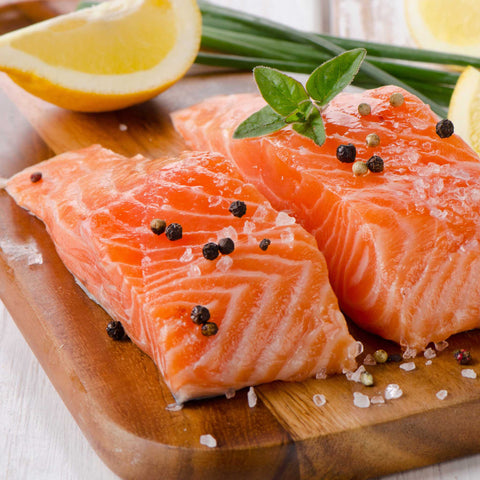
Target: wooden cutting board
(114, 391)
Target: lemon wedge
(105, 57)
(445, 25)
(464, 110)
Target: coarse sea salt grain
(214, 201)
(409, 353)
(393, 391)
(187, 255)
(287, 238)
(369, 360)
(441, 394)
(429, 353)
(224, 264)
(122, 127)
(428, 363)
(230, 393)
(284, 219)
(174, 407)
(208, 440)
(194, 270)
(377, 400)
(251, 397)
(228, 232)
(440, 346)
(319, 400)
(321, 374)
(408, 367)
(469, 373)
(355, 376)
(360, 400)
(248, 227)
(35, 259)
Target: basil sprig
(289, 102)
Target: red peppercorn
(35, 177)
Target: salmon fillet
(402, 246)
(277, 316)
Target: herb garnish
(289, 102)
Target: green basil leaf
(260, 123)
(330, 78)
(313, 128)
(281, 92)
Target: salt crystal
(441, 346)
(208, 440)
(187, 255)
(284, 219)
(224, 264)
(248, 227)
(355, 376)
(319, 400)
(238, 190)
(194, 271)
(469, 373)
(442, 394)
(409, 353)
(228, 232)
(429, 353)
(34, 259)
(214, 201)
(174, 407)
(260, 213)
(122, 127)
(409, 366)
(230, 393)
(251, 397)
(287, 238)
(355, 349)
(428, 363)
(369, 360)
(377, 400)
(360, 400)
(321, 374)
(393, 391)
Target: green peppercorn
(396, 99)
(226, 246)
(364, 109)
(210, 251)
(35, 177)
(115, 330)
(174, 232)
(158, 226)
(359, 168)
(200, 315)
(264, 244)
(375, 164)
(238, 208)
(208, 329)
(380, 356)
(366, 378)
(373, 140)
(346, 153)
(444, 128)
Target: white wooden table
(39, 439)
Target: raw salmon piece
(402, 246)
(277, 316)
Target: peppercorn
(364, 109)
(444, 128)
(158, 226)
(226, 246)
(208, 329)
(396, 99)
(115, 330)
(373, 140)
(359, 168)
(35, 177)
(346, 153)
(366, 378)
(200, 315)
(396, 357)
(380, 356)
(210, 251)
(238, 208)
(174, 232)
(375, 164)
(462, 356)
(264, 243)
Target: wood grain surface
(114, 391)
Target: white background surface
(39, 439)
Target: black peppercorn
(200, 315)
(264, 244)
(238, 208)
(462, 356)
(174, 231)
(115, 330)
(210, 251)
(444, 128)
(346, 153)
(35, 177)
(208, 329)
(396, 357)
(158, 226)
(226, 246)
(375, 164)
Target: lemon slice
(445, 25)
(464, 110)
(105, 57)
